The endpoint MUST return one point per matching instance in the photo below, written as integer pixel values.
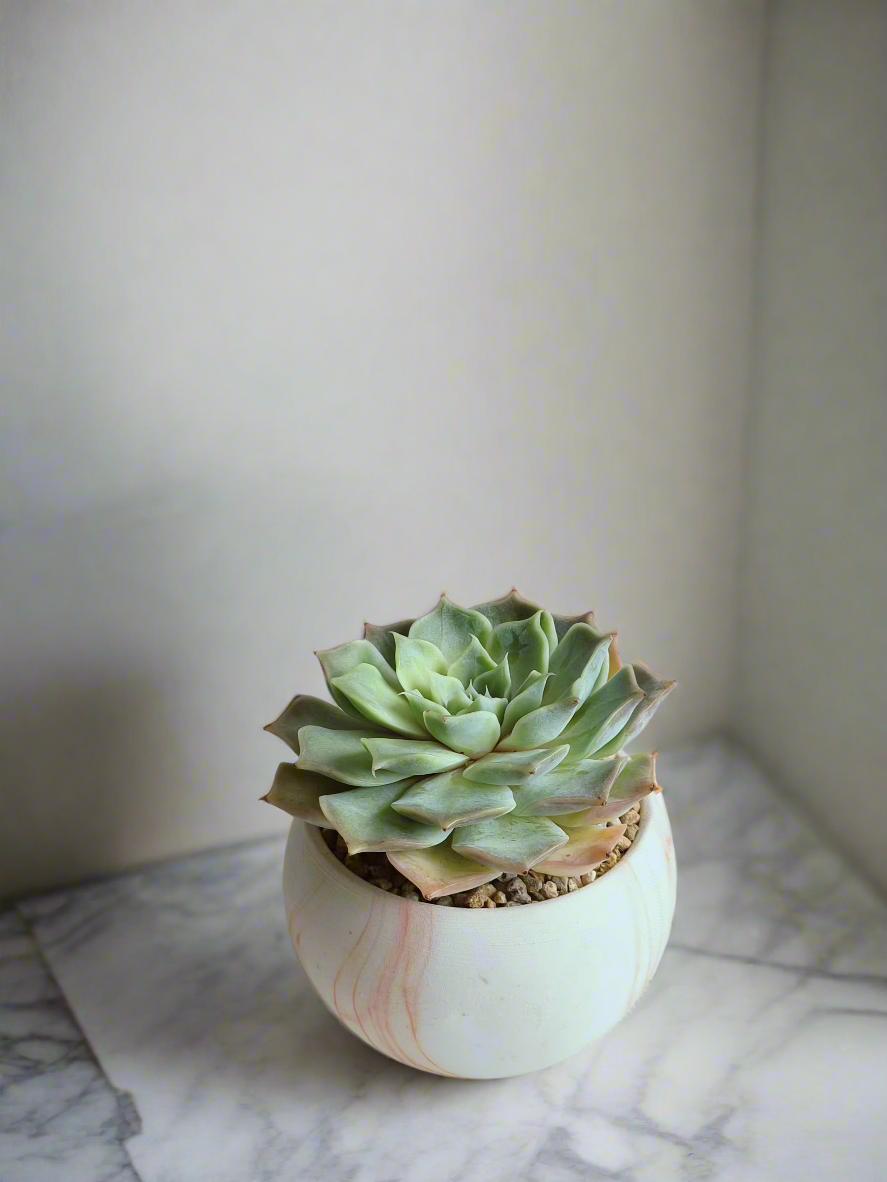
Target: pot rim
(356, 884)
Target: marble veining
(60, 1118)
(755, 1056)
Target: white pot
(481, 993)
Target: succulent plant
(472, 741)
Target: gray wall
(813, 637)
(313, 309)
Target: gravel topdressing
(508, 890)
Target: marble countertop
(157, 1028)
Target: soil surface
(508, 890)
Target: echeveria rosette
(472, 741)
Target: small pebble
(356, 866)
(489, 903)
(572, 884)
(561, 884)
(444, 901)
(507, 876)
(517, 891)
(631, 832)
(409, 892)
(499, 898)
(585, 879)
(382, 883)
(513, 903)
(476, 899)
(549, 890)
(631, 817)
(623, 844)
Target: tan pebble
(561, 884)
(444, 901)
(631, 832)
(487, 890)
(585, 879)
(499, 898)
(382, 883)
(549, 890)
(356, 866)
(623, 844)
(572, 884)
(476, 899)
(514, 903)
(632, 817)
(489, 903)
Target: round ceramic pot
(481, 994)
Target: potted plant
(472, 761)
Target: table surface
(156, 1027)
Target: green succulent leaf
(540, 726)
(474, 732)
(471, 663)
(368, 823)
(509, 842)
(512, 606)
(440, 871)
(368, 691)
(395, 759)
(495, 706)
(568, 788)
(636, 779)
(497, 682)
(563, 624)
(336, 662)
(611, 665)
(342, 756)
(298, 793)
(450, 628)
(576, 663)
(305, 710)
(657, 691)
(603, 715)
(381, 635)
(514, 767)
(415, 661)
(587, 847)
(529, 698)
(525, 644)
(450, 799)
(419, 705)
(449, 692)
(546, 620)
